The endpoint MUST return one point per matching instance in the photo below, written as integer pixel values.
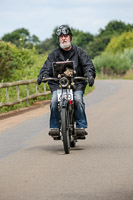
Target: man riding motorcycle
(83, 67)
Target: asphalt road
(34, 167)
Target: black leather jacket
(82, 64)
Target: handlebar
(57, 79)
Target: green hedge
(19, 64)
(112, 63)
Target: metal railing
(28, 97)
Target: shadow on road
(53, 149)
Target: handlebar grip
(81, 78)
(49, 79)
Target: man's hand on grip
(40, 77)
(90, 81)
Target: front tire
(65, 130)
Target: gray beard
(65, 45)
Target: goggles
(63, 31)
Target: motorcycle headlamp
(64, 82)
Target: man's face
(65, 41)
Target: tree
(55, 38)
(97, 46)
(45, 46)
(119, 43)
(34, 39)
(81, 39)
(21, 37)
(115, 28)
(15, 36)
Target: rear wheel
(65, 130)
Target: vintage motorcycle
(64, 73)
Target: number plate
(66, 94)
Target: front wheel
(65, 130)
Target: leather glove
(40, 77)
(90, 81)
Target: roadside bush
(12, 59)
(112, 64)
(19, 64)
(129, 54)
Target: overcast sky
(40, 17)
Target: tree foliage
(119, 43)
(45, 46)
(113, 28)
(93, 44)
(97, 46)
(81, 39)
(55, 38)
(21, 37)
(129, 54)
(12, 59)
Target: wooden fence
(28, 97)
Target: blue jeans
(79, 112)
